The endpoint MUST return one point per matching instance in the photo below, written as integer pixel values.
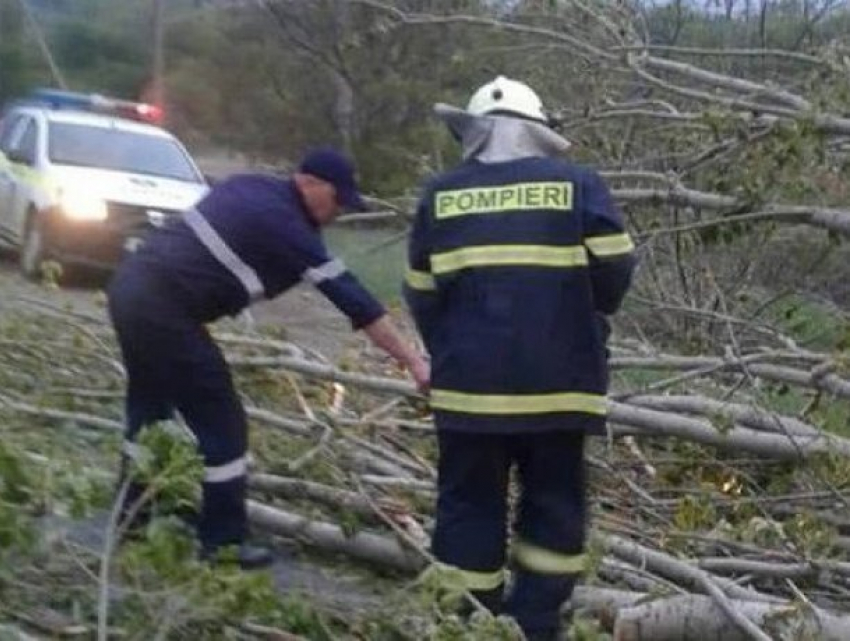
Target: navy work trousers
(472, 518)
(173, 364)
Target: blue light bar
(58, 99)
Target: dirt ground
(307, 318)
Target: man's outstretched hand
(383, 333)
(420, 370)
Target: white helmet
(504, 95)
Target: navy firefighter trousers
(549, 531)
(173, 365)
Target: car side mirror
(20, 156)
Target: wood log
(294, 488)
(828, 382)
(746, 415)
(295, 426)
(699, 618)
(604, 603)
(737, 438)
(328, 372)
(80, 418)
(683, 572)
(373, 548)
(773, 569)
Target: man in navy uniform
(253, 236)
(516, 257)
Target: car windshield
(120, 150)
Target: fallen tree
(720, 493)
(683, 513)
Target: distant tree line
(270, 78)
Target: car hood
(130, 189)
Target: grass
(375, 254)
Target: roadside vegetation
(720, 492)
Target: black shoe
(547, 635)
(135, 528)
(247, 557)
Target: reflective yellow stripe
(610, 245)
(518, 403)
(493, 255)
(472, 580)
(556, 196)
(544, 561)
(419, 280)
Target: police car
(83, 178)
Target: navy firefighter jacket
(512, 269)
(263, 222)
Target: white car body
(83, 188)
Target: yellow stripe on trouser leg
(470, 579)
(543, 561)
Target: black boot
(223, 526)
(490, 599)
(245, 555)
(535, 601)
(545, 635)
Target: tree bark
(698, 618)
(365, 546)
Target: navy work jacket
(262, 220)
(512, 269)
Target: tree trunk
(699, 618)
(365, 546)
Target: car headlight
(78, 205)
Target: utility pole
(157, 88)
(42, 44)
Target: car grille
(130, 219)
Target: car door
(10, 130)
(23, 156)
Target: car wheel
(32, 253)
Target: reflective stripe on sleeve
(610, 245)
(419, 280)
(211, 239)
(474, 580)
(227, 472)
(442, 399)
(326, 271)
(500, 255)
(543, 561)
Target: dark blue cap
(330, 165)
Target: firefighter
(253, 236)
(516, 258)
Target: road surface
(307, 318)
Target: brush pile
(720, 496)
